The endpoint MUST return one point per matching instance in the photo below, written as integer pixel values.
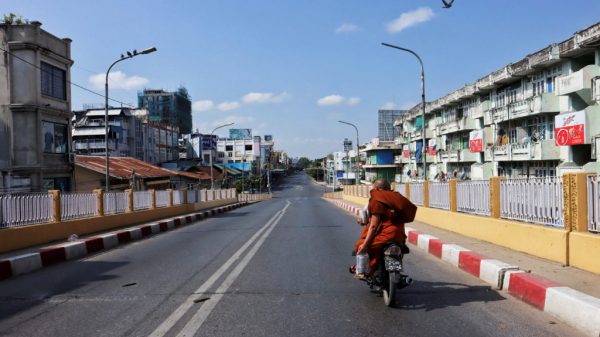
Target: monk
(388, 212)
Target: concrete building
(199, 146)
(35, 110)
(125, 133)
(168, 108)
(535, 117)
(380, 160)
(160, 140)
(237, 153)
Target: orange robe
(391, 228)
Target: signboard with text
(569, 129)
(476, 141)
(432, 147)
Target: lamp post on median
(357, 172)
(123, 58)
(212, 182)
(424, 152)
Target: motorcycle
(389, 277)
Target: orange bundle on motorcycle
(401, 209)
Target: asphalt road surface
(275, 268)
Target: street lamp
(357, 151)
(122, 58)
(212, 183)
(423, 156)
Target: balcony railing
(499, 114)
(500, 75)
(544, 56)
(588, 36)
(578, 82)
(566, 46)
(484, 83)
(520, 67)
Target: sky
(292, 68)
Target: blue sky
(293, 68)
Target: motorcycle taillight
(393, 250)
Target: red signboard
(476, 141)
(405, 153)
(431, 147)
(569, 129)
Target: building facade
(386, 132)
(35, 110)
(535, 117)
(168, 108)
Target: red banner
(569, 129)
(405, 153)
(476, 141)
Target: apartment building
(168, 108)
(535, 117)
(238, 153)
(35, 110)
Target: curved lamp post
(212, 183)
(357, 152)
(122, 58)
(422, 103)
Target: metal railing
(115, 202)
(178, 197)
(473, 197)
(593, 203)
(191, 197)
(24, 209)
(162, 198)
(254, 197)
(536, 200)
(416, 193)
(401, 188)
(439, 195)
(78, 205)
(142, 200)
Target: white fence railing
(142, 200)
(593, 202)
(115, 202)
(78, 205)
(416, 193)
(24, 209)
(178, 197)
(439, 195)
(537, 200)
(401, 188)
(162, 198)
(473, 197)
(191, 196)
(254, 197)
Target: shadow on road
(437, 295)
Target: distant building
(386, 130)
(240, 134)
(35, 110)
(199, 146)
(168, 108)
(160, 140)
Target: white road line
(167, 324)
(201, 315)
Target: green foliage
(303, 163)
(12, 18)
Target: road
(275, 268)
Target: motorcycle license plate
(392, 264)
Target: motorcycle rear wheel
(389, 289)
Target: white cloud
(410, 19)
(353, 101)
(346, 28)
(118, 80)
(227, 106)
(337, 99)
(234, 119)
(388, 106)
(331, 100)
(264, 97)
(203, 105)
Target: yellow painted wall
(537, 240)
(584, 251)
(27, 236)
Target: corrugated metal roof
(111, 112)
(89, 132)
(198, 175)
(122, 167)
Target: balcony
(567, 47)
(484, 84)
(417, 135)
(401, 140)
(544, 57)
(93, 144)
(476, 112)
(545, 150)
(499, 114)
(520, 68)
(468, 156)
(502, 152)
(579, 82)
(589, 36)
(501, 76)
(544, 103)
(520, 151)
(464, 123)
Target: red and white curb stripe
(574, 307)
(47, 256)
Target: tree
(12, 18)
(303, 163)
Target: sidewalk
(565, 292)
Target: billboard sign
(432, 146)
(476, 141)
(239, 134)
(569, 129)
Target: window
(53, 81)
(228, 147)
(55, 137)
(229, 154)
(62, 184)
(248, 147)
